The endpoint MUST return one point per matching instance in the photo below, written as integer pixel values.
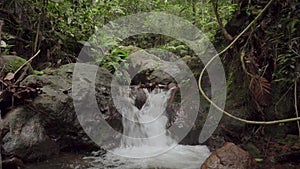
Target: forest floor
(279, 153)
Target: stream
(145, 142)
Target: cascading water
(145, 142)
(147, 127)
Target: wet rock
(145, 67)
(27, 138)
(229, 156)
(50, 123)
(140, 97)
(56, 104)
(64, 160)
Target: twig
(282, 97)
(1, 24)
(223, 51)
(29, 60)
(40, 27)
(23, 75)
(37, 35)
(295, 105)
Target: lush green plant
(287, 54)
(76, 20)
(112, 60)
(79, 18)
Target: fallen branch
(28, 61)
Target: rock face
(229, 156)
(146, 67)
(27, 138)
(49, 124)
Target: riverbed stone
(230, 156)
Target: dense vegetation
(59, 27)
(262, 66)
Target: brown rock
(230, 156)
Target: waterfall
(147, 127)
(146, 142)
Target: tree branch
(219, 20)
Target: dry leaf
(9, 76)
(261, 89)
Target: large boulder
(55, 105)
(144, 67)
(26, 137)
(49, 123)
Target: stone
(49, 123)
(12, 63)
(27, 138)
(145, 67)
(55, 105)
(230, 156)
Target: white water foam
(146, 143)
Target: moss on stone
(130, 49)
(12, 63)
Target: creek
(146, 142)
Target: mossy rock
(12, 63)
(130, 49)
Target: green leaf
(38, 72)
(259, 160)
